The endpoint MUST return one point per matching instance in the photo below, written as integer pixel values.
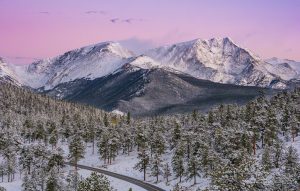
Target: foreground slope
(258, 141)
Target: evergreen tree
(277, 154)
(157, 143)
(284, 182)
(40, 132)
(76, 152)
(103, 147)
(210, 118)
(193, 169)
(53, 184)
(271, 128)
(53, 139)
(291, 160)
(176, 135)
(285, 121)
(26, 159)
(241, 176)
(156, 166)
(195, 115)
(72, 180)
(36, 180)
(266, 159)
(76, 149)
(141, 137)
(105, 120)
(144, 159)
(95, 182)
(128, 119)
(177, 161)
(167, 172)
(28, 184)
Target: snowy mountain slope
(217, 60)
(7, 73)
(294, 64)
(284, 70)
(287, 69)
(144, 62)
(88, 62)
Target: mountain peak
(103, 47)
(144, 62)
(217, 40)
(90, 62)
(216, 59)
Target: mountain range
(181, 77)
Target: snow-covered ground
(124, 164)
(117, 184)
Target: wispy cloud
(44, 12)
(115, 20)
(128, 20)
(95, 12)
(139, 46)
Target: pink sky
(40, 29)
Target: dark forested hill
(153, 92)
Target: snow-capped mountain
(190, 75)
(217, 60)
(294, 64)
(88, 62)
(7, 73)
(286, 69)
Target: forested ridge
(249, 147)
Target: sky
(35, 29)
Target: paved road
(137, 182)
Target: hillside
(154, 91)
(194, 151)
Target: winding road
(137, 182)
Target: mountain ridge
(87, 62)
(218, 59)
(144, 92)
(193, 75)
